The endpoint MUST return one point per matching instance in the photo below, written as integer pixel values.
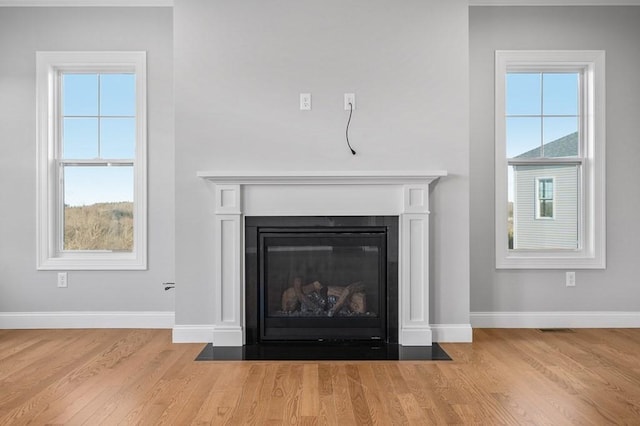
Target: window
(91, 160)
(549, 149)
(544, 201)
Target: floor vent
(557, 330)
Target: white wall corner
(579, 319)
(50, 320)
(452, 333)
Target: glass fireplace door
(322, 284)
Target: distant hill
(101, 226)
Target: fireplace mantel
(331, 193)
(315, 177)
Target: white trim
(323, 193)
(452, 333)
(170, 3)
(554, 3)
(322, 177)
(592, 254)
(49, 65)
(415, 335)
(228, 335)
(586, 319)
(86, 3)
(202, 333)
(86, 319)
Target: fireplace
(239, 196)
(321, 278)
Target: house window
(550, 159)
(91, 160)
(544, 201)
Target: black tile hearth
(323, 352)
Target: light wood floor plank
(506, 376)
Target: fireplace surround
(241, 195)
(321, 278)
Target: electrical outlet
(305, 101)
(349, 98)
(570, 279)
(62, 279)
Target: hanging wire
(347, 130)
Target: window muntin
(92, 160)
(541, 108)
(98, 115)
(550, 116)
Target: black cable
(347, 131)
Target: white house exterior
(545, 207)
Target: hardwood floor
(138, 377)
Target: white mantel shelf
(322, 177)
(238, 194)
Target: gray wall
(616, 30)
(239, 69)
(23, 31)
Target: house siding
(559, 232)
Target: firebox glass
(323, 276)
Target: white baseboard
(208, 333)
(416, 336)
(205, 333)
(592, 319)
(117, 319)
(202, 333)
(452, 333)
(227, 336)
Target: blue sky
(85, 186)
(98, 123)
(540, 108)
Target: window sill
(93, 263)
(545, 260)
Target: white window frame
(592, 207)
(553, 198)
(49, 68)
